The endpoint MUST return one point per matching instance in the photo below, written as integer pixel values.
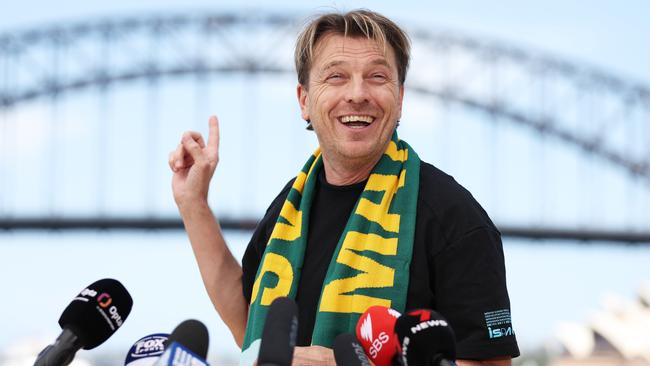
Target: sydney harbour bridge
(553, 149)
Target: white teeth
(366, 119)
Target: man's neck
(346, 172)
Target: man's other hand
(313, 356)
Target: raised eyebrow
(377, 61)
(332, 64)
(380, 61)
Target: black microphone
(348, 351)
(193, 335)
(425, 338)
(279, 333)
(186, 345)
(88, 321)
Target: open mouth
(357, 121)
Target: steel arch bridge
(597, 114)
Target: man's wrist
(192, 208)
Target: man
(364, 223)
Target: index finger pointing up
(213, 135)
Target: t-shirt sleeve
(255, 249)
(252, 258)
(470, 290)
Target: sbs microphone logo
(366, 329)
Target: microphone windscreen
(178, 355)
(279, 333)
(348, 352)
(375, 332)
(146, 350)
(425, 338)
(193, 335)
(97, 312)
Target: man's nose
(357, 91)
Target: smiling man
(364, 223)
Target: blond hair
(356, 23)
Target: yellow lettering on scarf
(378, 213)
(396, 155)
(289, 231)
(292, 230)
(280, 266)
(336, 294)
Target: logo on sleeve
(499, 323)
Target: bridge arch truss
(595, 112)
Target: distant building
(619, 334)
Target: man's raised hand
(193, 164)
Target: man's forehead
(332, 45)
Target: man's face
(353, 98)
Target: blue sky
(604, 33)
(568, 279)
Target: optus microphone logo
(104, 300)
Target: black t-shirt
(457, 267)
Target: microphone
(146, 350)
(279, 333)
(193, 335)
(426, 338)
(88, 321)
(375, 332)
(348, 352)
(187, 345)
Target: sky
(569, 279)
(603, 33)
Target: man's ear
(303, 100)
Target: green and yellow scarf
(371, 262)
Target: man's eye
(334, 77)
(379, 76)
